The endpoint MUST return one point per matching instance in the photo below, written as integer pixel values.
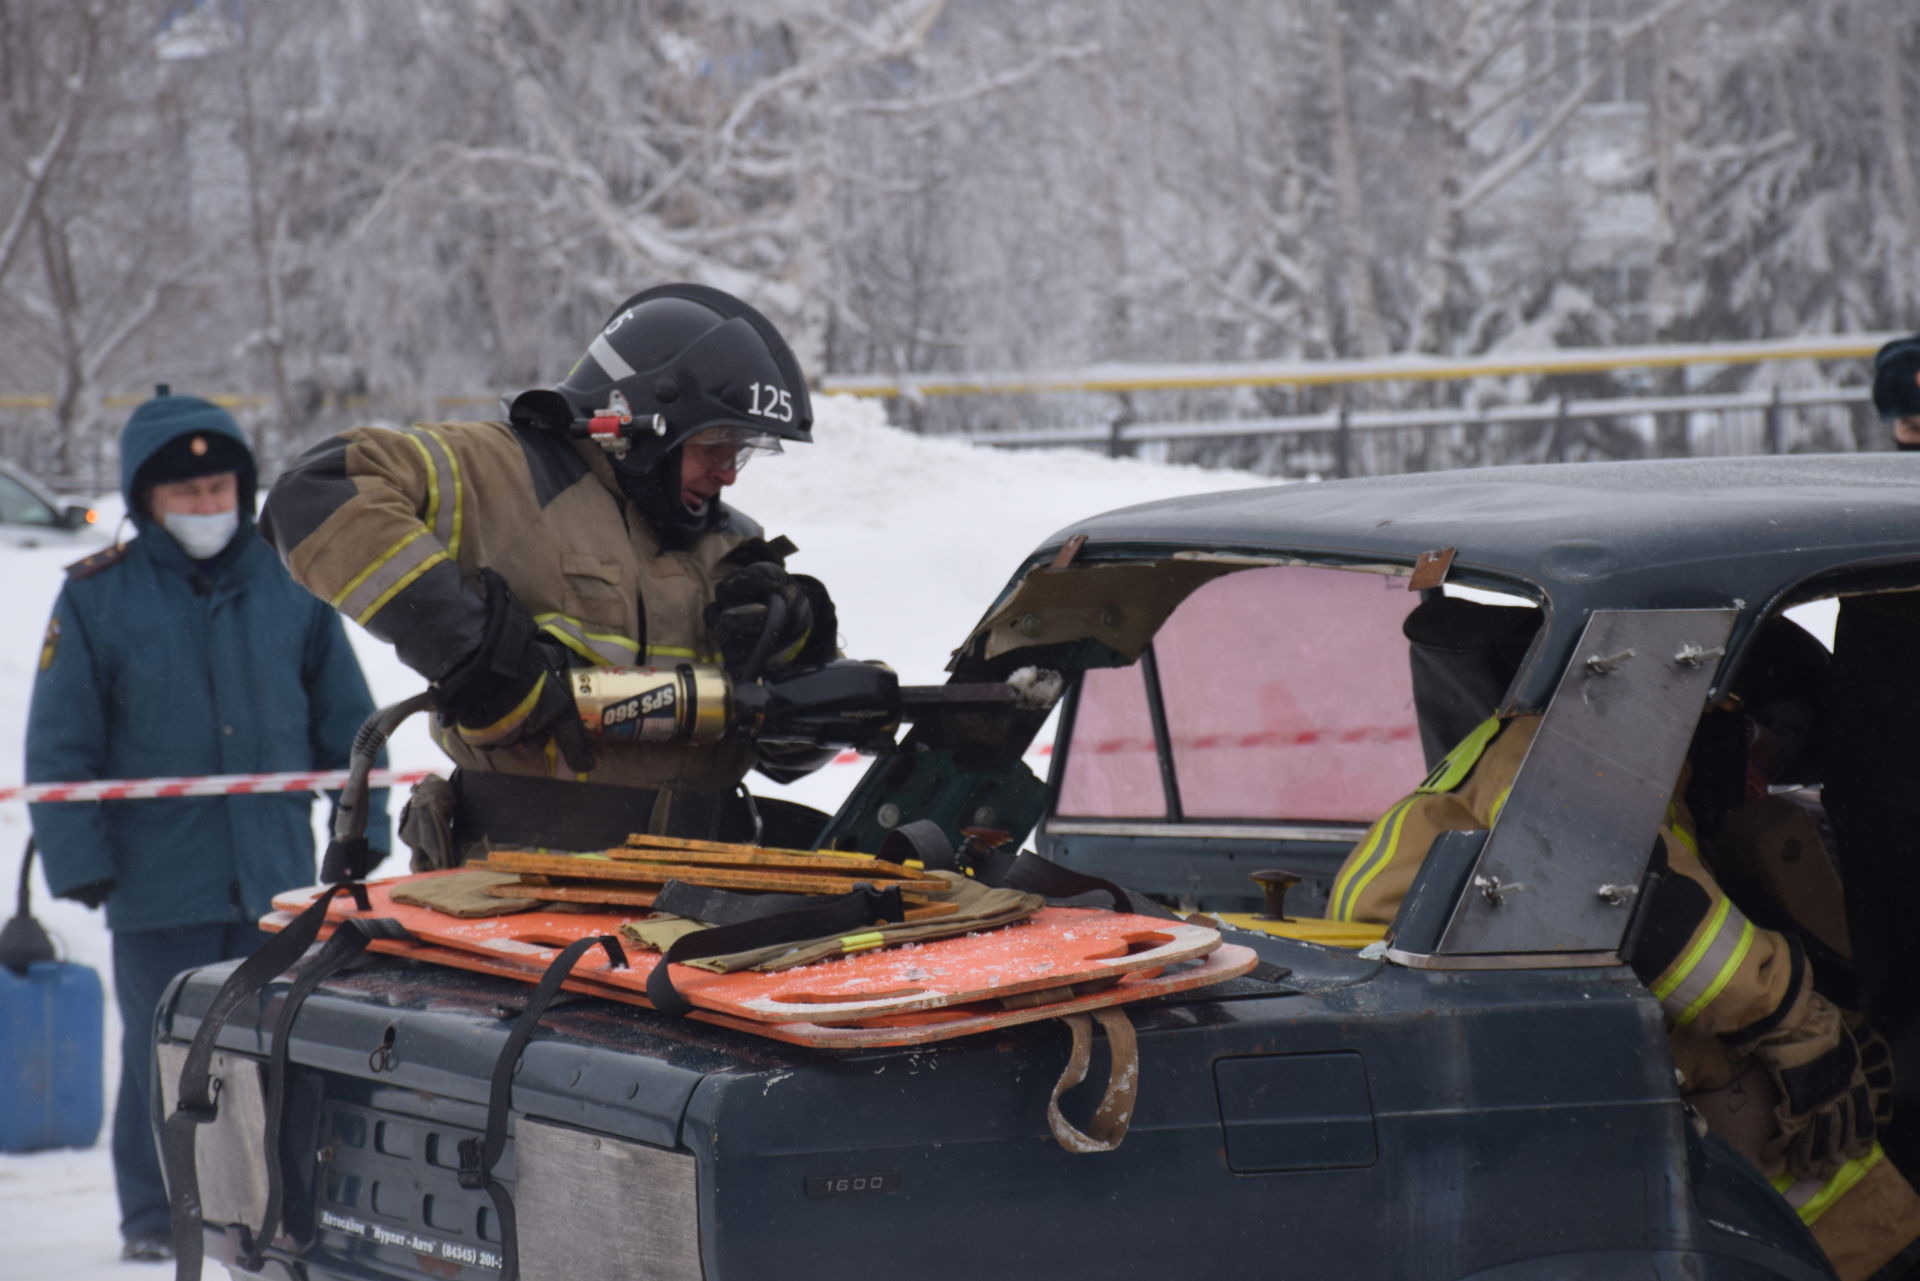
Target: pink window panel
(1112, 770)
(1288, 695)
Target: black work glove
(1825, 1113)
(514, 686)
(738, 615)
(1876, 1064)
(92, 894)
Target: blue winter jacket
(157, 665)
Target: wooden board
(724, 878)
(1056, 947)
(917, 908)
(914, 1028)
(641, 840)
(851, 867)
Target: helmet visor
(729, 448)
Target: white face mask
(202, 537)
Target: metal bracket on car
(1430, 569)
(1494, 890)
(1694, 656)
(1599, 666)
(1592, 791)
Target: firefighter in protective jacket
(586, 530)
(1742, 1012)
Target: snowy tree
(95, 255)
(367, 209)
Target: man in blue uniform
(187, 651)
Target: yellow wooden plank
(716, 877)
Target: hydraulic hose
(349, 857)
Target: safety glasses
(729, 448)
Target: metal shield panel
(1562, 868)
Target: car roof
(1595, 535)
(32, 483)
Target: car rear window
(1287, 695)
(18, 506)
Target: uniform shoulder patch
(51, 644)
(99, 562)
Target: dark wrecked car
(1482, 1089)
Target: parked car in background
(31, 516)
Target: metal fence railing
(1775, 421)
(1138, 405)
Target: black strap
(857, 909)
(22, 939)
(726, 907)
(349, 939)
(479, 1156)
(1007, 868)
(196, 1104)
(1021, 870)
(561, 814)
(1027, 871)
(923, 839)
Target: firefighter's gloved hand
(1876, 1064)
(92, 894)
(513, 686)
(1825, 1116)
(738, 615)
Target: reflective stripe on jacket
(1465, 792)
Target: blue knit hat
(172, 438)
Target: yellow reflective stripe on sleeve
(551, 754)
(369, 590)
(603, 649)
(1458, 763)
(1685, 838)
(1499, 803)
(1700, 976)
(1374, 855)
(862, 942)
(486, 735)
(1741, 947)
(445, 501)
(1811, 1198)
(433, 483)
(657, 653)
(459, 497)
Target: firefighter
(494, 556)
(1742, 1010)
(1896, 390)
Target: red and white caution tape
(143, 789)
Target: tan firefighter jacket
(391, 528)
(1733, 994)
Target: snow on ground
(913, 537)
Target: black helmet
(1896, 379)
(678, 359)
(670, 362)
